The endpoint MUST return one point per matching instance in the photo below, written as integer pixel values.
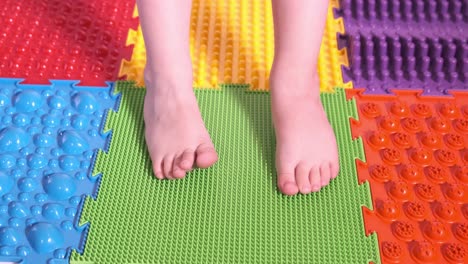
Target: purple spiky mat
(406, 44)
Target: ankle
(303, 67)
(295, 60)
(169, 80)
(171, 71)
(177, 67)
(295, 81)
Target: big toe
(287, 183)
(206, 156)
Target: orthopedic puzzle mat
(233, 211)
(49, 135)
(64, 39)
(232, 42)
(406, 44)
(417, 167)
(415, 171)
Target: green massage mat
(232, 212)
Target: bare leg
(175, 134)
(306, 154)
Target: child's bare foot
(175, 134)
(306, 152)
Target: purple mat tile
(406, 44)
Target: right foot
(176, 136)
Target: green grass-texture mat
(232, 212)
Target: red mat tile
(65, 39)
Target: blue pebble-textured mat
(49, 137)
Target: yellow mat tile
(232, 42)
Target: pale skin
(306, 154)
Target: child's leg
(306, 155)
(175, 134)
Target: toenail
(316, 188)
(289, 185)
(306, 190)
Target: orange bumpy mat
(417, 167)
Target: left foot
(306, 150)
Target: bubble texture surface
(13, 139)
(44, 237)
(41, 153)
(217, 220)
(418, 181)
(62, 39)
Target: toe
(325, 174)
(187, 159)
(177, 172)
(206, 156)
(302, 178)
(167, 167)
(314, 178)
(287, 183)
(157, 169)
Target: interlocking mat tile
(233, 211)
(417, 166)
(406, 44)
(232, 42)
(49, 135)
(65, 39)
